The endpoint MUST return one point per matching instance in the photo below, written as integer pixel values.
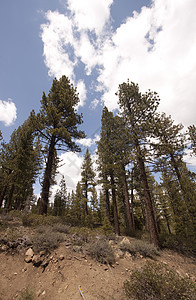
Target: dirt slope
(62, 277)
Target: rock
(42, 253)
(37, 260)
(119, 253)
(4, 248)
(28, 259)
(61, 257)
(29, 252)
(125, 240)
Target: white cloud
(57, 36)
(94, 103)
(81, 88)
(154, 48)
(7, 112)
(71, 169)
(86, 142)
(90, 15)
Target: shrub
(101, 251)
(137, 246)
(158, 282)
(36, 220)
(46, 239)
(179, 244)
(62, 228)
(27, 294)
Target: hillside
(69, 267)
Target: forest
(145, 185)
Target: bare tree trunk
(3, 195)
(86, 196)
(116, 223)
(107, 199)
(47, 178)
(148, 200)
(127, 203)
(9, 200)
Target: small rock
(61, 257)
(106, 269)
(43, 293)
(37, 260)
(29, 252)
(68, 244)
(117, 263)
(28, 259)
(4, 248)
(42, 253)
(24, 270)
(15, 273)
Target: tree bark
(47, 178)
(3, 195)
(131, 228)
(86, 196)
(9, 200)
(116, 223)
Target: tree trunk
(86, 196)
(47, 178)
(149, 207)
(131, 228)
(107, 199)
(9, 200)
(3, 195)
(116, 223)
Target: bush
(179, 244)
(46, 239)
(62, 228)
(137, 246)
(101, 251)
(157, 282)
(27, 294)
(36, 220)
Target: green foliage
(158, 282)
(101, 251)
(137, 246)
(46, 238)
(27, 294)
(29, 219)
(186, 246)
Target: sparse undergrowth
(101, 251)
(156, 281)
(27, 294)
(47, 238)
(138, 246)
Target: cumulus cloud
(154, 48)
(81, 88)
(90, 15)
(7, 112)
(71, 169)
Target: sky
(98, 44)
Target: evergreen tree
(106, 160)
(60, 199)
(192, 137)
(88, 177)
(56, 124)
(20, 163)
(169, 150)
(138, 111)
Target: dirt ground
(63, 276)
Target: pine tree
(106, 161)
(88, 177)
(169, 150)
(192, 138)
(138, 111)
(56, 124)
(60, 199)
(20, 164)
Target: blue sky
(98, 44)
